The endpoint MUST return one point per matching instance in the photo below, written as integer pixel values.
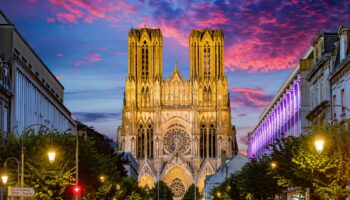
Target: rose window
(177, 187)
(176, 141)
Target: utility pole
(77, 160)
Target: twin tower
(145, 54)
(178, 130)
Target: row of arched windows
(145, 61)
(207, 96)
(145, 141)
(207, 141)
(206, 57)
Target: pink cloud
(59, 77)
(66, 18)
(256, 39)
(249, 98)
(50, 19)
(92, 57)
(116, 53)
(90, 11)
(32, 1)
(59, 54)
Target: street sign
(20, 192)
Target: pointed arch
(203, 140)
(206, 170)
(206, 59)
(212, 140)
(144, 60)
(178, 174)
(149, 139)
(140, 141)
(146, 181)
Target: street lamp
(219, 194)
(319, 144)
(52, 156)
(273, 165)
(4, 178)
(102, 179)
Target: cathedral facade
(178, 129)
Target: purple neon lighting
(283, 118)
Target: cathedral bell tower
(144, 68)
(206, 54)
(145, 54)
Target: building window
(334, 103)
(149, 141)
(6, 77)
(207, 96)
(206, 59)
(203, 143)
(342, 96)
(177, 141)
(208, 141)
(212, 141)
(6, 113)
(145, 61)
(140, 142)
(342, 47)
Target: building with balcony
(30, 93)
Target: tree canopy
(297, 164)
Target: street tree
(164, 191)
(190, 193)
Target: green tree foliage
(48, 180)
(329, 170)
(165, 192)
(189, 195)
(128, 188)
(228, 189)
(283, 152)
(256, 179)
(53, 180)
(325, 173)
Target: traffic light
(76, 189)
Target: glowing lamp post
(4, 179)
(102, 179)
(319, 144)
(52, 156)
(273, 165)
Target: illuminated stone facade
(176, 128)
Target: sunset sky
(84, 43)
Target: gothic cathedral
(177, 129)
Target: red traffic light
(76, 189)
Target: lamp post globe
(102, 179)
(273, 165)
(4, 179)
(52, 156)
(319, 144)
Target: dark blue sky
(84, 42)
